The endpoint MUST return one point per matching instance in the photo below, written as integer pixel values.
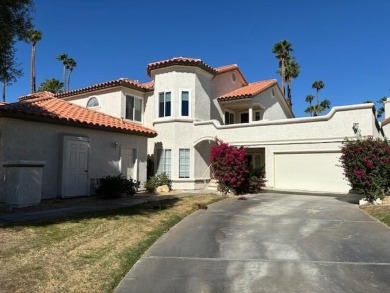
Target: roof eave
(72, 123)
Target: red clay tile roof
(58, 111)
(226, 68)
(180, 61)
(134, 84)
(248, 91)
(44, 94)
(232, 67)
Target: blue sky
(341, 42)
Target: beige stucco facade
(35, 141)
(275, 139)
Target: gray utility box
(23, 182)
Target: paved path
(268, 243)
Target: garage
(311, 171)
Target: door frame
(64, 151)
(135, 158)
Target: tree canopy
(15, 24)
(51, 85)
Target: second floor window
(229, 118)
(185, 103)
(133, 108)
(92, 102)
(164, 104)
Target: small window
(133, 108)
(164, 107)
(185, 103)
(92, 102)
(229, 117)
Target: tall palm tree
(292, 71)
(70, 65)
(318, 85)
(63, 58)
(282, 50)
(34, 37)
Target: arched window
(92, 102)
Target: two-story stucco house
(189, 103)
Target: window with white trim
(164, 104)
(133, 108)
(164, 161)
(184, 163)
(185, 103)
(93, 102)
(229, 117)
(258, 115)
(244, 116)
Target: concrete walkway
(269, 243)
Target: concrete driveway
(268, 243)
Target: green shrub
(366, 164)
(116, 186)
(158, 180)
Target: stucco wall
(272, 104)
(110, 102)
(224, 83)
(203, 100)
(324, 133)
(23, 140)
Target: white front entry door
(75, 167)
(128, 169)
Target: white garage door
(311, 171)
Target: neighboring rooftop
(125, 82)
(248, 91)
(43, 107)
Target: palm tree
(34, 37)
(282, 50)
(63, 58)
(70, 65)
(309, 99)
(292, 71)
(51, 85)
(318, 85)
(324, 105)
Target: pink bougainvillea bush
(231, 169)
(366, 164)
